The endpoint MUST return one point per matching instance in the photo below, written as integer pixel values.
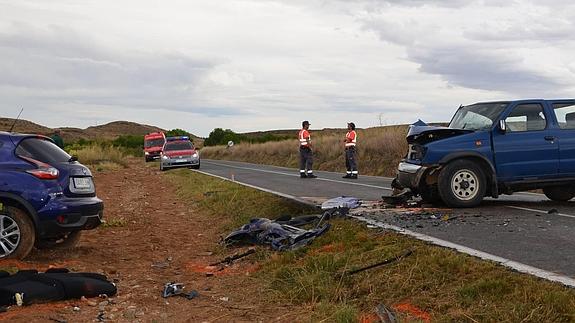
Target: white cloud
(265, 64)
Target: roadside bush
(96, 155)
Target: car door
(565, 115)
(527, 149)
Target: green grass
(443, 283)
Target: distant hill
(110, 130)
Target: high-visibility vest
(351, 138)
(303, 138)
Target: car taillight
(44, 171)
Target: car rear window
(42, 150)
(181, 145)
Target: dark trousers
(351, 160)
(305, 159)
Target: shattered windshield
(477, 116)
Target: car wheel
(196, 166)
(67, 242)
(430, 194)
(462, 184)
(559, 193)
(17, 233)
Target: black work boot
(311, 175)
(302, 175)
(346, 176)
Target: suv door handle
(550, 138)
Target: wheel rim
(465, 185)
(9, 235)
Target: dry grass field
(379, 150)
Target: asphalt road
(517, 227)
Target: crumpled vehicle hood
(422, 133)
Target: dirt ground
(152, 238)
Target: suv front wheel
(17, 234)
(462, 184)
(559, 193)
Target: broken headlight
(416, 152)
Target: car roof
(525, 100)
(16, 137)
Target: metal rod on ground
(385, 262)
(230, 259)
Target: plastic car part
(280, 237)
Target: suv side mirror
(503, 126)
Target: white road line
(296, 175)
(565, 280)
(291, 197)
(539, 211)
(372, 186)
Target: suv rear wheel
(462, 184)
(17, 234)
(559, 193)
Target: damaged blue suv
(493, 148)
(46, 196)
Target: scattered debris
(400, 199)
(342, 202)
(177, 289)
(224, 299)
(385, 314)
(280, 237)
(385, 262)
(229, 259)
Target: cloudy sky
(269, 64)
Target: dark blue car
(46, 196)
(493, 148)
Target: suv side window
(565, 113)
(526, 117)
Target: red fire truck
(153, 144)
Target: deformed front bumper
(409, 175)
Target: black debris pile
(280, 236)
(404, 199)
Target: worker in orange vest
(350, 151)
(305, 152)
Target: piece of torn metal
(230, 259)
(279, 236)
(177, 289)
(381, 263)
(385, 315)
